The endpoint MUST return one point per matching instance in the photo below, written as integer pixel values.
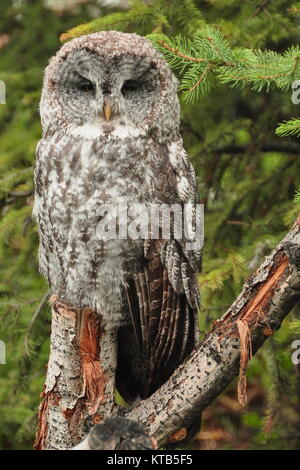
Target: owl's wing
(182, 261)
(163, 301)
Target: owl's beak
(107, 110)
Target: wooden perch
(79, 379)
(267, 297)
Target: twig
(33, 319)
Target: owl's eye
(87, 87)
(130, 85)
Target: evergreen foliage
(236, 62)
(291, 127)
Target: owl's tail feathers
(161, 335)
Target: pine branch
(287, 128)
(155, 15)
(139, 14)
(235, 66)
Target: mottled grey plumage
(146, 289)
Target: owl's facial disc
(108, 92)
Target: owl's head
(109, 83)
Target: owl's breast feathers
(153, 283)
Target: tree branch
(267, 297)
(285, 147)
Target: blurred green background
(247, 178)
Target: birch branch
(79, 387)
(267, 297)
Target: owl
(110, 118)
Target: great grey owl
(110, 119)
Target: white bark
(80, 377)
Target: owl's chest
(91, 172)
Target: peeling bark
(80, 377)
(73, 388)
(94, 377)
